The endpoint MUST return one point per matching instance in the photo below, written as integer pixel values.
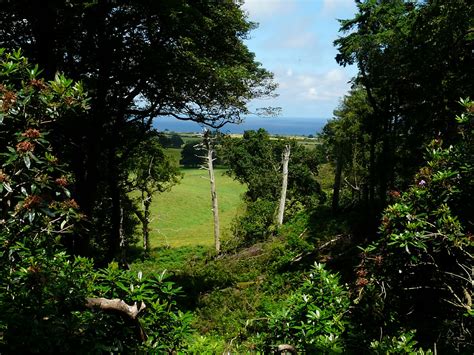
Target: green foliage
(139, 60)
(193, 152)
(402, 344)
(313, 317)
(166, 327)
(256, 224)
(414, 61)
(43, 291)
(173, 141)
(34, 196)
(201, 344)
(423, 259)
(40, 285)
(150, 171)
(190, 156)
(255, 160)
(348, 147)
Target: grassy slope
(183, 216)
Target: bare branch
(115, 305)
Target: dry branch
(115, 305)
(286, 348)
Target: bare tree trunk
(146, 222)
(215, 209)
(284, 184)
(337, 185)
(123, 242)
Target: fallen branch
(284, 348)
(299, 257)
(115, 305)
(130, 313)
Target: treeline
(415, 64)
(401, 145)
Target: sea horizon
(285, 126)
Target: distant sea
(284, 126)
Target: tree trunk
(116, 205)
(284, 184)
(215, 209)
(337, 185)
(146, 223)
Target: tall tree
(414, 61)
(207, 146)
(347, 142)
(138, 59)
(149, 171)
(285, 159)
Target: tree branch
(115, 305)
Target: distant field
(183, 216)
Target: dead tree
(209, 152)
(284, 184)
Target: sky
(294, 40)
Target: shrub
(423, 259)
(44, 291)
(313, 318)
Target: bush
(313, 318)
(44, 292)
(256, 223)
(423, 259)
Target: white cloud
(313, 87)
(331, 7)
(258, 9)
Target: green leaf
(7, 187)
(27, 161)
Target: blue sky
(294, 41)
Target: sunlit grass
(183, 216)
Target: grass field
(183, 216)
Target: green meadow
(183, 215)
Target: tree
(207, 146)
(255, 160)
(285, 159)
(173, 141)
(150, 171)
(414, 62)
(176, 141)
(347, 144)
(49, 300)
(423, 259)
(138, 59)
(190, 157)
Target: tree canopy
(414, 61)
(138, 60)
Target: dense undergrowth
(323, 282)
